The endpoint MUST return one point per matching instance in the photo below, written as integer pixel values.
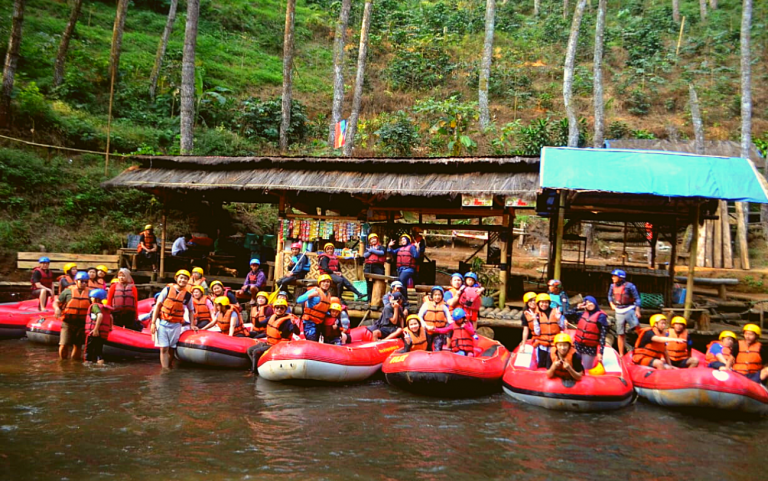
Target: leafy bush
(222, 142)
(545, 133)
(618, 130)
(397, 134)
(451, 121)
(419, 67)
(260, 120)
(638, 103)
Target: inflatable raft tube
(15, 316)
(125, 343)
(44, 330)
(215, 349)
(525, 382)
(446, 374)
(313, 361)
(700, 388)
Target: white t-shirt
(179, 246)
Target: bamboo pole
(162, 247)
(504, 274)
(692, 264)
(559, 237)
(741, 233)
(718, 239)
(680, 38)
(727, 250)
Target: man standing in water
(625, 301)
(168, 316)
(73, 304)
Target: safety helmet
(222, 300)
(372, 235)
(102, 268)
(182, 272)
(598, 370)
(543, 297)
(324, 277)
(82, 276)
(678, 320)
(396, 284)
(216, 283)
(562, 337)
(115, 279)
(283, 293)
(296, 245)
(456, 274)
(335, 300)
(554, 282)
(44, 259)
(406, 236)
(69, 266)
(754, 328)
(280, 302)
(148, 227)
(327, 245)
(198, 270)
(438, 288)
(99, 294)
(254, 261)
(528, 296)
(412, 316)
(335, 307)
(262, 294)
(198, 288)
(656, 318)
(458, 313)
(619, 273)
(470, 275)
(725, 334)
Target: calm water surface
(63, 420)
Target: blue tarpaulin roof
(667, 174)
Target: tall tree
(11, 61)
(359, 79)
(570, 61)
(597, 74)
(485, 64)
(565, 8)
(713, 4)
(161, 47)
(339, 41)
(746, 120)
(285, 122)
(536, 7)
(698, 124)
(61, 56)
(676, 11)
(117, 37)
(703, 9)
(188, 78)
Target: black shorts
(94, 349)
(681, 364)
(385, 330)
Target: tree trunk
(746, 117)
(676, 11)
(713, 4)
(703, 10)
(161, 47)
(338, 68)
(570, 60)
(536, 7)
(597, 72)
(285, 120)
(11, 60)
(61, 56)
(485, 65)
(698, 125)
(188, 78)
(117, 37)
(359, 79)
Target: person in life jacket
(547, 324)
(254, 281)
(650, 347)
(625, 301)
(529, 315)
(375, 256)
(316, 303)
(147, 247)
(101, 276)
(421, 246)
(435, 313)
(415, 335)
(720, 353)
(392, 320)
(453, 294)
(328, 264)
(281, 326)
(749, 358)
(590, 335)
(471, 297)
(228, 318)
(344, 319)
(124, 300)
(72, 306)
(260, 314)
(93, 278)
(204, 308)
(217, 289)
(332, 330)
(298, 266)
(68, 278)
(397, 286)
(198, 279)
(98, 326)
(284, 296)
(173, 303)
(406, 258)
(463, 336)
(564, 362)
(42, 282)
(558, 297)
(679, 353)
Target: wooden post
(559, 236)
(162, 247)
(741, 233)
(624, 247)
(727, 251)
(672, 261)
(718, 238)
(504, 274)
(692, 264)
(280, 256)
(700, 258)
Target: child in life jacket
(548, 323)
(284, 296)
(414, 335)
(205, 312)
(98, 324)
(463, 336)
(564, 362)
(720, 353)
(260, 314)
(529, 316)
(471, 297)
(435, 313)
(679, 353)
(453, 294)
(333, 331)
(344, 316)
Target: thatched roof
(718, 148)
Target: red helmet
(296, 245)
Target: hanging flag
(340, 134)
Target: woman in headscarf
(590, 333)
(124, 299)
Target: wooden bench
(29, 260)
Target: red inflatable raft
(44, 330)
(525, 382)
(215, 349)
(15, 316)
(698, 388)
(446, 374)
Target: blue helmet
(470, 275)
(99, 294)
(438, 288)
(458, 313)
(619, 273)
(44, 259)
(81, 276)
(456, 274)
(255, 261)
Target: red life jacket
(588, 329)
(470, 298)
(122, 297)
(405, 257)
(106, 320)
(461, 340)
(46, 278)
(678, 351)
(646, 354)
(330, 331)
(622, 296)
(559, 371)
(727, 352)
(375, 258)
(149, 241)
(252, 277)
(333, 264)
(274, 332)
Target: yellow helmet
(104, 301)
(69, 266)
(406, 236)
(678, 320)
(223, 300)
(335, 307)
(114, 280)
(102, 268)
(182, 272)
(562, 337)
(281, 302)
(373, 235)
(198, 270)
(412, 316)
(725, 334)
(262, 294)
(324, 277)
(216, 283)
(754, 328)
(327, 245)
(655, 318)
(528, 296)
(598, 370)
(198, 288)
(148, 227)
(543, 297)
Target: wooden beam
(725, 218)
(162, 245)
(741, 233)
(504, 274)
(717, 260)
(692, 265)
(559, 236)
(469, 211)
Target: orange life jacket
(622, 296)
(727, 352)
(548, 327)
(435, 314)
(748, 359)
(455, 295)
(46, 278)
(588, 329)
(122, 297)
(149, 240)
(559, 371)
(197, 283)
(106, 320)
(67, 279)
(94, 284)
(333, 264)
(678, 351)
(405, 257)
(317, 313)
(77, 307)
(461, 340)
(259, 315)
(172, 309)
(225, 319)
(274, 334)
(202, 311)
(645, 355)
(419, 341)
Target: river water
(64, 420)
